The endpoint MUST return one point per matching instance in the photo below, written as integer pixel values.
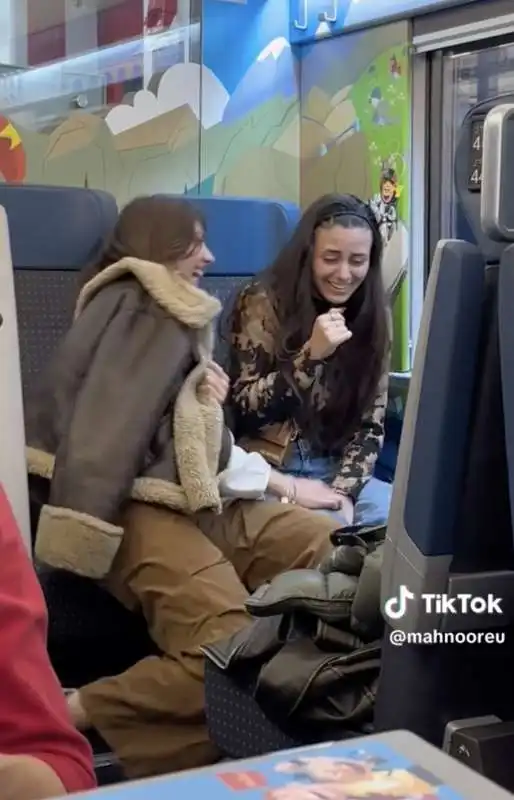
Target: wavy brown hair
(156, 228)
(352, 374)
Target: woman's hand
(316, 495)
(215, 384)
(76, 711)
(329, 331)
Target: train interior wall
(194, 116)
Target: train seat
(53, 233)
(237, 724)
(245, 235)
(46, 283)
(450, 527)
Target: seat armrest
(108, 769)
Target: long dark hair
(352, 374)
(156, 228)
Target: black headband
(345, 213)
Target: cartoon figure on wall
(394, 234)
(385, 202)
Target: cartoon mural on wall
(152, 142)
(228, 126)
(237, 125)
(12, 153)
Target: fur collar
(182, 300)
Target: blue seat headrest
(245, 234)
(53, 227)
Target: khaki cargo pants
(190, 578)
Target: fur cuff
(76, 542)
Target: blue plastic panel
(444, 406)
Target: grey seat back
(55, 232)
(450, 531)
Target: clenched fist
(328, 332)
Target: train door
(468, 57)
(468, 77)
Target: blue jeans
(372, 506)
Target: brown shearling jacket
(119, 414)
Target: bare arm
(281, 485)
(28, 778)
(41, 755)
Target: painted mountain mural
(273, 74)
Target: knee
(312, 531)
(373, 503)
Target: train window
(468, 78)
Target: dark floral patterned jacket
(262, 396)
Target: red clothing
(34, 719)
